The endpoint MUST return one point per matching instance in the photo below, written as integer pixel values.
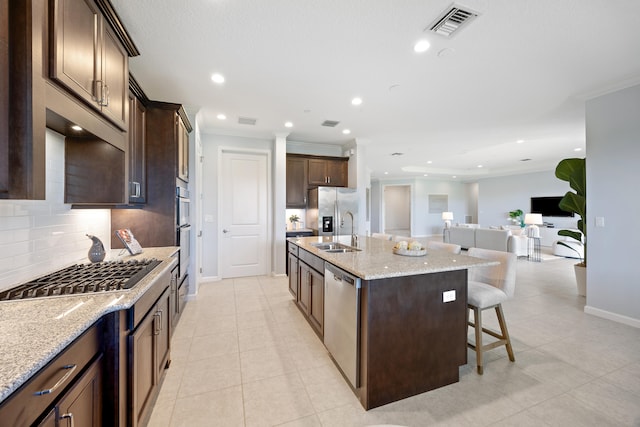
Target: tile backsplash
(41, 236)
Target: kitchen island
(411, 316)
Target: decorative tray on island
(408, 252)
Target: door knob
(225, 231)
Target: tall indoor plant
(574, 172)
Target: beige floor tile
(309, 421)
(221, 408)
(210, 374)
(161, 415)
(255, 319)
(265, 362)
(213, 345)
(276, 400)
(627, 378)
(564, 410)
(217, 325)
(258, 337)
(604, 396)
(180, 347)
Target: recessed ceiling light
(480, 166)
(421, 46)
(386, 173)
(429, 162)
(288, 125)
(346, 131)
(446, 52)
(577, 149)
(520, 141)
(356, 101)
(217, 78)
(76, 128)
(221, 117)
(454, 176)
(426, 174)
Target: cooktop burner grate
(83, 279)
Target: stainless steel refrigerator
(328, 211)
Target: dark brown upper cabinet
(22, 112)
(43, 85)
(296, 182)
(88, 59)
(137, 143)
(328, 172)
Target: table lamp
(447, 217)
(532, 220)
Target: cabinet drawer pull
(70, 416)
(62, 380)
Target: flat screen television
(548, 206)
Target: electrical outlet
(448, 296)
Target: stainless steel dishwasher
(342, 320)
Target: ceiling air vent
(247, 121)
(452, 20)
(330, 123)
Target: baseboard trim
(612, 316)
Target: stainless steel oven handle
(61, 381)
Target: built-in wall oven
(183, 237)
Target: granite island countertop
(33, 332)
(376, 260)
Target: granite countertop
(33, 332)
(376, 259)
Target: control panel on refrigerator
(327, 224)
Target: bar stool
(489, 287)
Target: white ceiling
(522, 70)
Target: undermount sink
(334, 247)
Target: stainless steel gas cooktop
(83, 279)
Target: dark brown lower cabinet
(311, 296)
(82, 404)
(316, 307)
(148, 357)
(70, 382)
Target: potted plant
(574, 172)
(294, 221)
(517, 217)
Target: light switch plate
(599, 221)
(448, 296)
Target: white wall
(613, 152)
(397, 209)
(422, 222)
(41, 236)
(498, 196)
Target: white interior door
(243, 214)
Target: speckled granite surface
(33, 332)
(376, 259)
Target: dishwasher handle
(342, 276)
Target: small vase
(96, 251)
